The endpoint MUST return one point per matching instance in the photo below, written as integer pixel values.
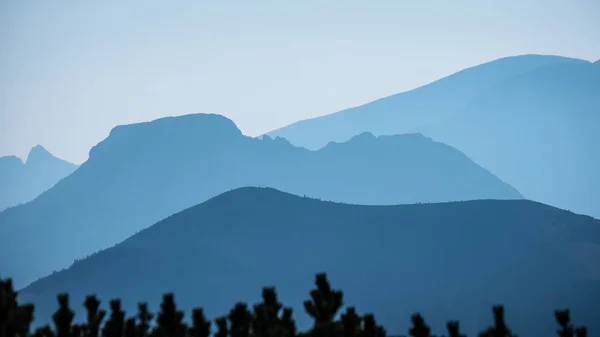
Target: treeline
(266, 319)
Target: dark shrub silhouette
(264, 321)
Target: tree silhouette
(144, 317)
(200, 326)
(563, 318)
(371, 329)
(170, 320)
(288, 323)
(500, 329)
(267, 319)
(130, 328)
(240, 321)
(95, 316)
(419, 327)
(222, 330)
(454, 329)
(324, 306)
(63, 317)
(351, 323)
(15, 319)
(115, 326)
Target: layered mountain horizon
(532, 120)
(22, 181)
(445, 260)
(142, 173)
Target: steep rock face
(143, 173)
(22, 182)
(447, 261)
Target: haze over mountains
(447, 261)
(145, 172)
(21, 182)
(531, 120)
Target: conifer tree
(324, 306)
(267, 321)
(63, 317)
(454, 329)
(144, 318)
(115, 326)
(266, 314)
(288, 323)
(95, 316)
(351, 322)
(200, 326)
(419, 327)
(130, 327)
(500, 329)
(240, 320)
(371, 329)
(222, 330)
(563, 318)
(15, 319)
(170, 320)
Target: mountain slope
(539, 132)
(533, 122)
(407, 111)
(22, 182)
(448, 261)
(145, 172)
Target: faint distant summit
(21, 182)
(38, 154)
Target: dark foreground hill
(447, 261)
(21, 182)
(531, 120)
(145, 172)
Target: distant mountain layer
(448, 261)
(22, 182)
(531, 120)
(145, 172)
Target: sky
(72, 70)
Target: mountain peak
(10, 161)
(38, 153)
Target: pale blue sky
(72, 70)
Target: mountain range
(446, 260)
(531, 120)
(142, 173)
(21, 182)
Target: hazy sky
(72, 70)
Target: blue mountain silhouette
(447, 260)
(531, 120)
(21, 182)
(538, 131)
(145, 172)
